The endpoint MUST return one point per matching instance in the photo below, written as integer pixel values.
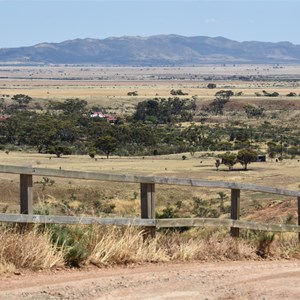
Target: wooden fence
(147, 188)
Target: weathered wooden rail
(147, 187)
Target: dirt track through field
(225, 280)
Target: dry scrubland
(284, 174)
(108, 87)
(110, 246)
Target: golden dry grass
(113, 245)
(108, 87)
(285, 174)
(31, 250)
(110, 245)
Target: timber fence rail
(147, 188)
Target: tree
(75, 107)
(246, 156)
(291, 94)
(254, 112)
(135, 93)
(224, 93)
(217, 105)
(178, 92)
(217, 164)
(22, 100)
(59, 149)
(267, 94)
(43, 132)
(229, 160)
(162, 111)
(146, 108)
(107, 144)
(211, 86)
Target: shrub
(264, 240)
(73, 241)
(178, 92)
(211, 86)
(92, 153)
(167, 213)
(229, 160)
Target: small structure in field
(261, 158)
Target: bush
(92, 153)
(167, 213)
(264, 244)
(211, 86)
(178, 93)
(74, 241)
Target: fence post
(235, 210)
(299, 217)
(26, 194)
(148, 206)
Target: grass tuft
(31, 250)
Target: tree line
(153, 129)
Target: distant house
(99, 114)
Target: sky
(26, 23)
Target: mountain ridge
(156, 50)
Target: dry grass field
(125, 197)
(108, 87)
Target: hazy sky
(25, 23)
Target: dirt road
(225, 280)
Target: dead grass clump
(120, 246)
(112, 245)
(31, 250)
(127, 208)
(286, 245)
(213, 248)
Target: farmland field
(284, 174)
(107, 87)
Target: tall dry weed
(120, 246)
(111, 245)
(214, 248)
(31, 250)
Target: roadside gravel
(224, 280)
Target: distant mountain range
(158, 50)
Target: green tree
(162, 111)
(22, 100)
(229, 160)
(107, 144)
(217, 105)
(211, 86)
(43, 132)
(59, 149)
(246, 156)
(75, 107)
